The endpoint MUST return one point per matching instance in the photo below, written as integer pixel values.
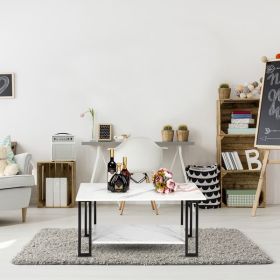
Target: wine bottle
(118, 182)
(125, 172)
(111, 168)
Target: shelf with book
(225, 112)
(229, 143)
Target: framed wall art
(7, 88)
(104, 132)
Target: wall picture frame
(104, 132)
(7, 85)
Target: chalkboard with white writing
(268, 129)
(6, 85)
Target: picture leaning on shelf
(242, 122)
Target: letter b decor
(252, 157)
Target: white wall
(140, 64)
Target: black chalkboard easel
(268, 125)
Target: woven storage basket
(240, 198)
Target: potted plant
(167, 133)
(182, 133)
(224, 91)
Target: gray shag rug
(53, 246)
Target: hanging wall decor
(7, 85)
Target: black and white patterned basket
(206, 177)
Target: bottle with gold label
(111, 167)
(125, 172)
(118, 182)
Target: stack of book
(232, 161)
(241, 122)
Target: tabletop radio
(63, 147)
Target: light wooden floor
(263, 229)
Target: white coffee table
(136, 234)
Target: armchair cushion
(23, 161)
(17, 181)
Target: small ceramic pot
(182, 135)
(224, 93)
(167, 135)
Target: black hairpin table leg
(86, 234)
(187, 225)
(182, 212)
(95, 215)
(191, 219)
(88, 211)
(196, 228)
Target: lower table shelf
(138, 234)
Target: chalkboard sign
(268, 128)
(6, 85)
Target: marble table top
(137, 192)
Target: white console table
(112, 144)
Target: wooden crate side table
(56, 169)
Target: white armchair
(15, 191)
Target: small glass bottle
(111, 167)
(125, 172)
(118, 182)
